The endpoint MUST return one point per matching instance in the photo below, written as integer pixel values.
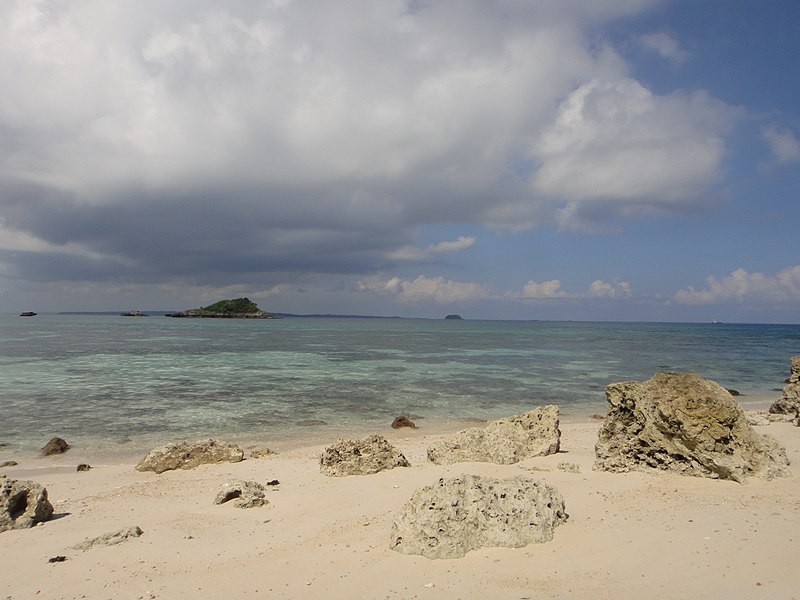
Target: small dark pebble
(274, 482)
(56, 559)
(83, 467)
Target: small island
(238, 308)
(454, 317)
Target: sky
(514, 159)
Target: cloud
(741, 286)
(783, 144)
(665, 46)
(412, 253)
(603, 289)
(438, 289)
(618, 149)
(253, 143)
(546, 289)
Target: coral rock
(246, 494)
(185, 455)
(506, 441)
(23, 504)
(360, 457)
(454, 516)
(789, 402)
(685, 424)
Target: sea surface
(111, 382)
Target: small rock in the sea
(403, 421)
(56, 559)
(83, 467)
(55, 446)
(733, 392)
(8, 463)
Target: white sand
(628, 536)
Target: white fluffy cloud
(783, 144)
(665, 46)
(438, 289)
(741, 286)
(444, 291)
(546, 289)
(616, 144)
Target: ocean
(108, 383)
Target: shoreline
(320, 537)
(291, 438)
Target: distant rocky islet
(237, 308)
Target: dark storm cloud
(216, 142)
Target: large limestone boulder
(185, 455)
(360, 457)
(454, 516)
(789, 402)
(683, 423)
(506, 441)
(23, 504)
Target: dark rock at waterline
(55, 446)
(403, 421)
(454, 317)
(8, 463)
(734, 392)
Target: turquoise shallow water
(105, 381)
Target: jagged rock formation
(185, 455)
(110, 539)
(245, 494)
(789, 402)
(506, 441)
(23, 504)
(685, 424)
(360, 457)
(454, 516)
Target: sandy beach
(631, 535)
